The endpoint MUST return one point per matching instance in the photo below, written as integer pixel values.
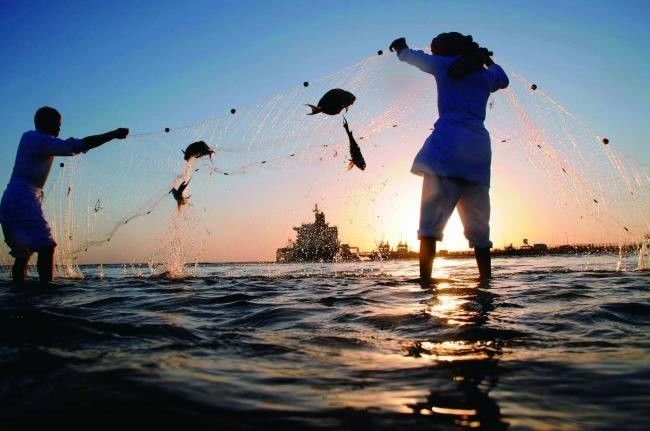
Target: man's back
(35, 155)
(459, 146)
(461, 99)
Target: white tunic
(459, 146)
(22, 198)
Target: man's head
(451, 44)
(48, 120)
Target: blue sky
(149, 65)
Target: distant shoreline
(565, 250)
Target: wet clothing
(21, 213)
(459, 146)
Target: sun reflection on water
(447, 307)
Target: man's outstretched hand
(120, 133)
(398, 45)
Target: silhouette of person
(455, 159)
(21, 214)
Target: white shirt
(24, 193)
(459, 146)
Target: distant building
(402, 250)
(383, 251)
(315, 242)
(347, 253)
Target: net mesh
(271, 154)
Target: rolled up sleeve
(58, 147)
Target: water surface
(549, 343)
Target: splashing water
(643, 263)
(115, 202)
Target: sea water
(549, 343)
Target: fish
(356, 158)
(333, 102)
(178, 194)
(197, 149)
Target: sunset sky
(148, 65)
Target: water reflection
(469, 360)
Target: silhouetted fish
(356, 158)
(198, 149)
(333, 102)
(178, 194)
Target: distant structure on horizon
(315, 242)
(319, 242)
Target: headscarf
(454, 43)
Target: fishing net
(272, 162)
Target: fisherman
(455, 159)
(21, 214)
